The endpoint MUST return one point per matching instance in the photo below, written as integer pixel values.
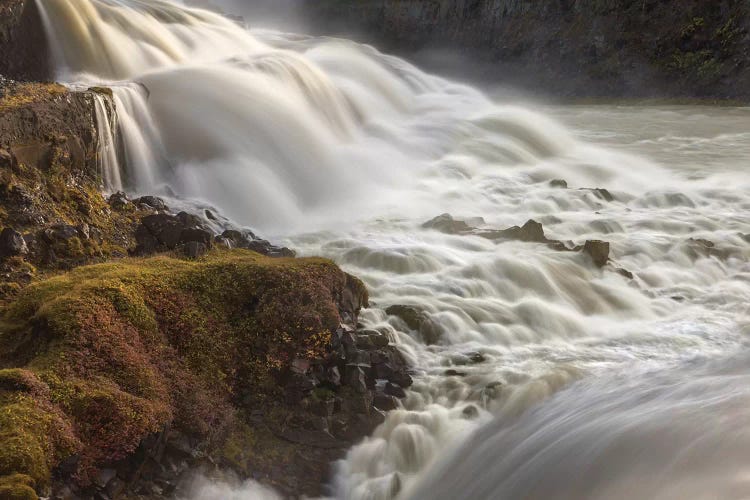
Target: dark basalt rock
(559, 183)
(598, 251)
(411, 315)
(445, 223)
(531, 232)
(153, 202)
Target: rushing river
(544, 376)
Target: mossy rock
(101, 357)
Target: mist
(269, 14)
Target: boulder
(152, 202)
(119, 201)
(411, 315)
(385, 402)
(394, 390)
(12, 243)
(167, 229)
(531, 232)
(558, 183)
(445, 223)
(598, 251)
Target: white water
(343, 152)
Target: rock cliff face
(584, 48)
(23, 45)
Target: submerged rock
(532, 232)
(445, 223)
(598, 251)
(411, 315)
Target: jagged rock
(598, 250)
(356, 379)
(445, 223)
(152, 202)
(394, 390)
(431, 331)
(385, 402)
(411, 315)
(558, 183)
(119, 201)
(12, 243)
(532, 232)
(189, 220)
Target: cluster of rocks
(346, 394)
(184, 232)
(532, 232)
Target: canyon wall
(581, 48)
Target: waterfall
(345, 152)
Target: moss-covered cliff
(97, 360)
(585, 48)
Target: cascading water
(539, 364)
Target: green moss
(21, 95)
(17, 487)
(118, 351)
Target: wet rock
(470, 412)
(385, 402)
(411, 315)
(394, 390)
(625, 273)
(189, 220)
(401, 378)
(12, 243)
(558, 183)
(603, 194)
(431, 331)
(598, 250)
(153, 202)
(454, 373)
(119, 201)
(445, 223)
(532, 232)
(356, 379)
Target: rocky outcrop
(531, 232)
(584, 48)
(24, 53)
(123, 376)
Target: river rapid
(541, 375)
